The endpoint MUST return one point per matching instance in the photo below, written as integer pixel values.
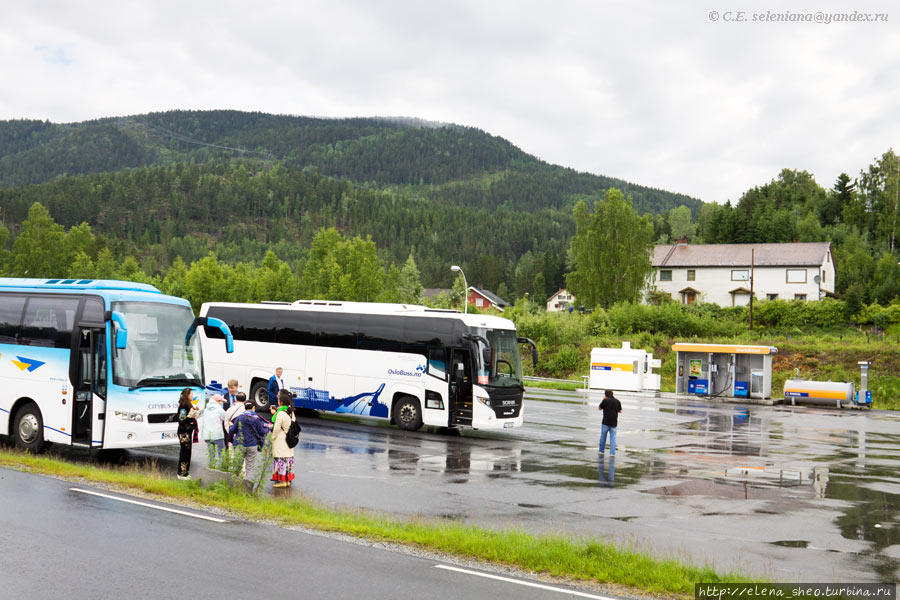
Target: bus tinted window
(437, 363)
(49, 321)
(381, 332)
(93, 310)
(336, 330)
(10, 317)
(257, 325)
(252, 325)
(427, 331)
(296, 328)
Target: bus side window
(100, 366)
(10, 317)
(437, 363)
(49, 321)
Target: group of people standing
(229, 423)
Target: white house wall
(714, 284)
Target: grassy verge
(554, 385)
(559, 556)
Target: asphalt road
(794, 494)
(61, 540)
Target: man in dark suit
(230, 395)
(276, 383)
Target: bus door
(460, 387)
(89, 399)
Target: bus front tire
(408, 414)
(29, 428)
(259, 395)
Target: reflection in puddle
(791, 543)
(606, 471)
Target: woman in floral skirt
(283, 463)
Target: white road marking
(520, 582)
(148, 505)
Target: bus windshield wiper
(165, 380)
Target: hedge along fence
(565, 339)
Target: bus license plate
(507, 425)
(169, 435)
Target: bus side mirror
(226, 331)
(212, 322)
(122, 332)
(534, 354)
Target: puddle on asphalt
(791, 543)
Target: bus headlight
(484, 400)
(130, 416)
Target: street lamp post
(458, 269)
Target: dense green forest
(183, 184)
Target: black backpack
(293, 434)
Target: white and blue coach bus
(410, 365)
(95, 363)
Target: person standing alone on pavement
(611, 408)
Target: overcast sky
(698, 98)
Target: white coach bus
(95, 363)
(410, 365)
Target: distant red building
(483, 299)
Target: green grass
(587, 560)
(554, 385)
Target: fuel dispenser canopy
(724, 370)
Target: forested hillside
(376, 151)
(184, 183)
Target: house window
(692, 275)
(771, 296)
(796, 275)
(799, 296)
(823, 276)
(479, 302)
(665, 275)
(740, 275)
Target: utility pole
(752, 257)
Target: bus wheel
(259, 395)
(407, 413)
(29, 428)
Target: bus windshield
(500, 365)
(157, 353)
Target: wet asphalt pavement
(805, 494)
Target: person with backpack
(283, 422)
(251, 432)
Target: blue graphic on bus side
(361, 404)
(29, 364)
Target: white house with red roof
(560, 301)
(721, 273)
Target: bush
(565, 362)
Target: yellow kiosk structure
(724, 370)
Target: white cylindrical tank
(819, 392)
